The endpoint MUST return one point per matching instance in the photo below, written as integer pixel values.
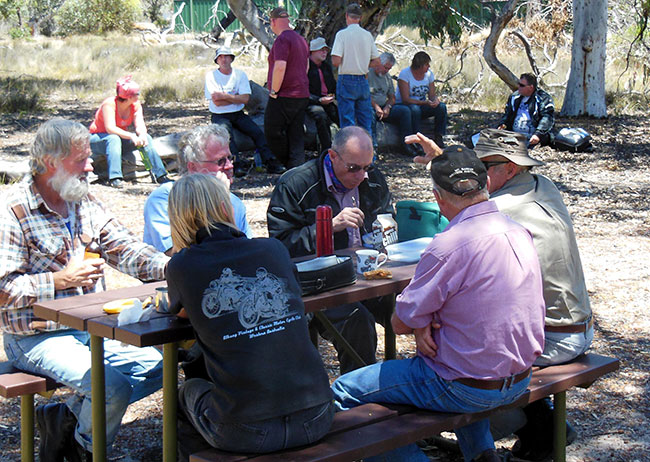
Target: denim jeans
(244, 124)
(112, 146)
(284, 120)
(353, 97)
(411, 381)
(131, 373)
(419, 113)
(200, 426)
(399, 115)
(561, 348)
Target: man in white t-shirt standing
(227, 89)
(353, 52)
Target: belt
(494, 384)
(572, 329)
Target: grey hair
(468, 199)
(55, 139)
(387, 57)
(191, 147)
(345, 134)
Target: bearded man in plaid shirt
(44, 222)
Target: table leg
(559, 425)
(390, 345)
(98, 397)
(170, 399)
(27, 428)
(344, 343)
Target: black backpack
(572, 139)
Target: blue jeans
(399, 115)
(112, 146)
(353, 97)
(200, 426)
(131, 373)
(419, 113)
(563, 347)
(411, 381)
(244, 124)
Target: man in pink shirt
(476, 307)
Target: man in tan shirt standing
(353, 52)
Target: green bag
(418, 219)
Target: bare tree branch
(529, 50)
(489, 50)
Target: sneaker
(117, 183)
(163, 179)
(275, 167)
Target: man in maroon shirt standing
(288, 92)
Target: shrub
(159, 94)
(19, 95)
(97, 16)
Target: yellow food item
(378, 274)
(116, 306)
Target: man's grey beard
(69, 187)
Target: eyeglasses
(489, 164)
(219, 162)
(354, 168)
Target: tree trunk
(320, 21)
(250, 17)
(585, 94)
(499, 23)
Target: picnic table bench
(374, 428)
(15, 383)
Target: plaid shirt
(35, 242)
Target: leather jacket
(540, 107)
(291, 216)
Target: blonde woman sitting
(268, 389)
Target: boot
(56, 423)
(491, 455)
(536, 437)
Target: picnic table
(85, 313)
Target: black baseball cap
(457, 163)
(279, 12)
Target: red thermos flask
(324, 233)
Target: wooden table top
(85, 312)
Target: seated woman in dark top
(268, 389)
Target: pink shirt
(98, 125)
(480, 279)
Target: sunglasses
(219, 162)
(489, 164)
(523, 84)
(354, 168)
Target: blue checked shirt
(35, 242)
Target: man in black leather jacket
(535, 118)
(344, 178)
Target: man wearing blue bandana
(344, 178)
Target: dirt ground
(606, 192)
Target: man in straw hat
(476, 308)
(535, 202)
(228, 89)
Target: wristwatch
(273, 93)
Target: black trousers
(242, 122)
(324, 116)
(284, 129)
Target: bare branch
(527, 47)
(489, 50)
